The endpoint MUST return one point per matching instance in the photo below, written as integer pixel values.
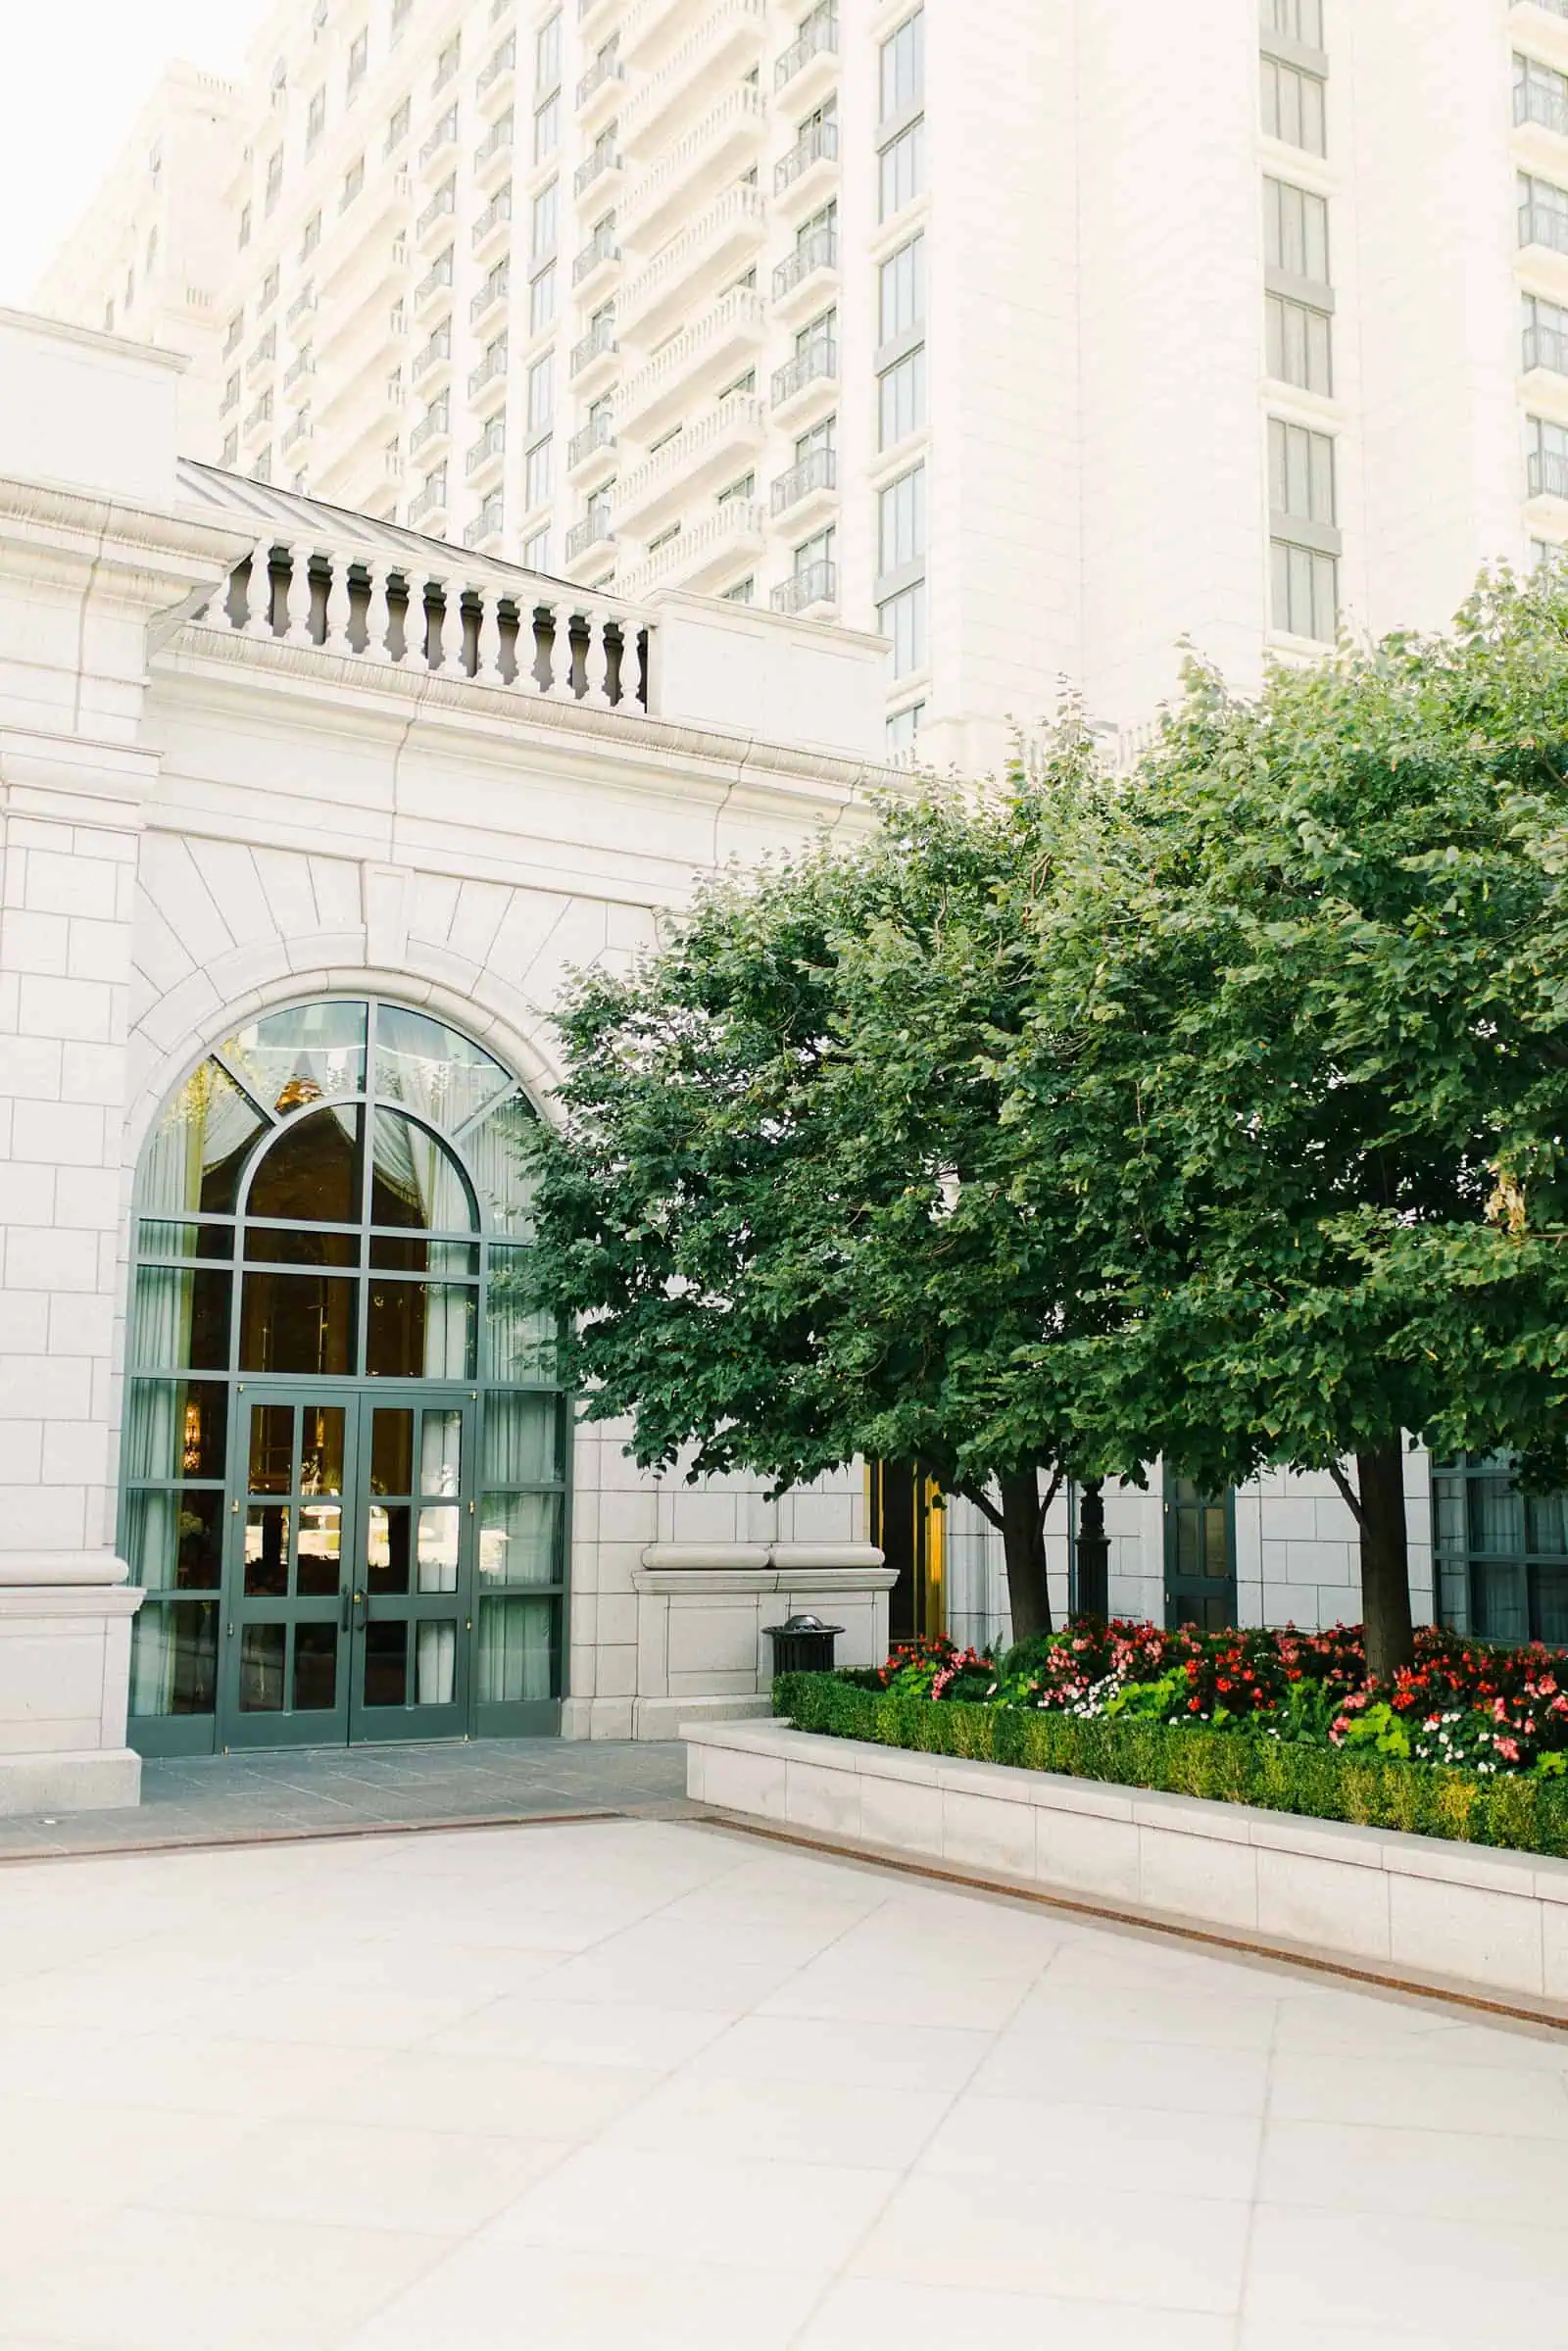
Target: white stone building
(1040, 350)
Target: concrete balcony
(595, 359)
(304, 363)
(485, 308)
(809, 279)
(712, 253)
(485, 532)
(427, 504)
(260, 418)
(263, 357)
(436, 280)
(353, 341)
(491, 370)
(807, 384)
(597, 266)
(431, 225)
(590, 548)
(714, 151)
(809, 67)
(358, 267)
(726, 44)
(1544, 348)
(1544, 225)
(433, 432)
(1548, 475)
(301, 306)
(483, 464)
(805, 177)
(493, 157)
(595, 19)
(650, 30)
(492, 231)
(497, 76)
(809, 594)
(598, 176)
(435, 356)
(808, 493)
(714, 550)
(295, 434)
(600, 92)
(591, 454)
(698, 460)
(694, 364)
(443, 135)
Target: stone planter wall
(1411, 1906)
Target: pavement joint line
(1146, 1921)
(255, 1839)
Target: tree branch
(982, 1502)
(1052, 1491)
(1350, 1494)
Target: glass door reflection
(412, 1607)
(285, 1679)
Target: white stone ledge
(79, 1780)
(61, 1567)
(1416, 1906)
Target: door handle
(348, 1603)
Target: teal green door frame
(1200, 1556)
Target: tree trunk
(1094, 1551)
(1384, 1562)
(1023, 1545)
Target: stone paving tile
(221, 1799)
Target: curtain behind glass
(193, 1157)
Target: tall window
(1304, 590)
(1296, 231)
(1292, 105)
(547, 127)
(901, 171)
(546, 220)
(1548, 458)
(900, 399)
(900, 291)
(537, 472)
(1300, 342)
(1301, 467)
(542, 299)
(547, 54)
(1304, 542)
(1546, 335)
(315, 121)
(542, 393)
(901, 619)
(1540, 94)
(902, 68)
(1543, 214)
(1502, 1556)
(900, 521)
(274, 178)
(1297, 20)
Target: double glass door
(349, 1584)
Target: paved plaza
(655, 2082)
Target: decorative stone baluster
(631, 665)
(377, 614)
(339, 607)
(258, 593)
(596, 659)
(540, 671)
(452, 661)
(298, 631)
(487, 671)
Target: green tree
(1300, 1034)
(782, 1211)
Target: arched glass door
(344, 1466)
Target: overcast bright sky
(75, 73)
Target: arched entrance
(344, 1462)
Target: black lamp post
(1093, 1550)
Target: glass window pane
(180, 1319)
(392, 1450)
(440, 1451)
(1498, 1601)
(436, 1661)
(318, 1567)
(322, 1439)
(514, 1655)
(413, 1252)
(298, 1322)
(267, 1530)
(1551, 1606)
(519, 1342)
(420, 1330)
(414, 1181)
(197, 1150)
(430, 1068)
(300, 1244)
(158, 1238)
(176, 1428)
(498, 1150)
(315, 1668)
(386, 1663)
(303, 1055)
(1496, 1515)
(523, 1440)
(270, 1466)
(174, 1538)
(173, 1658)
(389, 1550)
(437, 1551)
(311, 1175)
(520, 1537)
(261, 1668)
(1546, 1524)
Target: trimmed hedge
(1523, 1815)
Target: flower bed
(1470, 1746)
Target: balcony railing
(439, 274)
(818, 359)
(304, 300)
(729, 34)
(494, 289)
(438, 348)
(1545, 346)
(594, 167)
(505, 57)
(600, 339)
(431, 500)
(819, 471)
(490, 367)
(498, 137)
(733, 325)
(818, 251)
(1544, 225)
(431, 427)
(299, 430)
(231, 398)
(261, 414)
(692, 458)
(1532, 103)
(491, 443)
(601, 247)
(431, 608)
(819, 36)
(1548, 474)
(720, 237)
(498, 209)
(303, 364)
(813, 584)
(445, 200)
(443, 135)
(597, 433)
(603, 70)
(485, 524)
(818, 143)
(706, 551)
(593, 530)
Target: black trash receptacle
(802, 1645)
